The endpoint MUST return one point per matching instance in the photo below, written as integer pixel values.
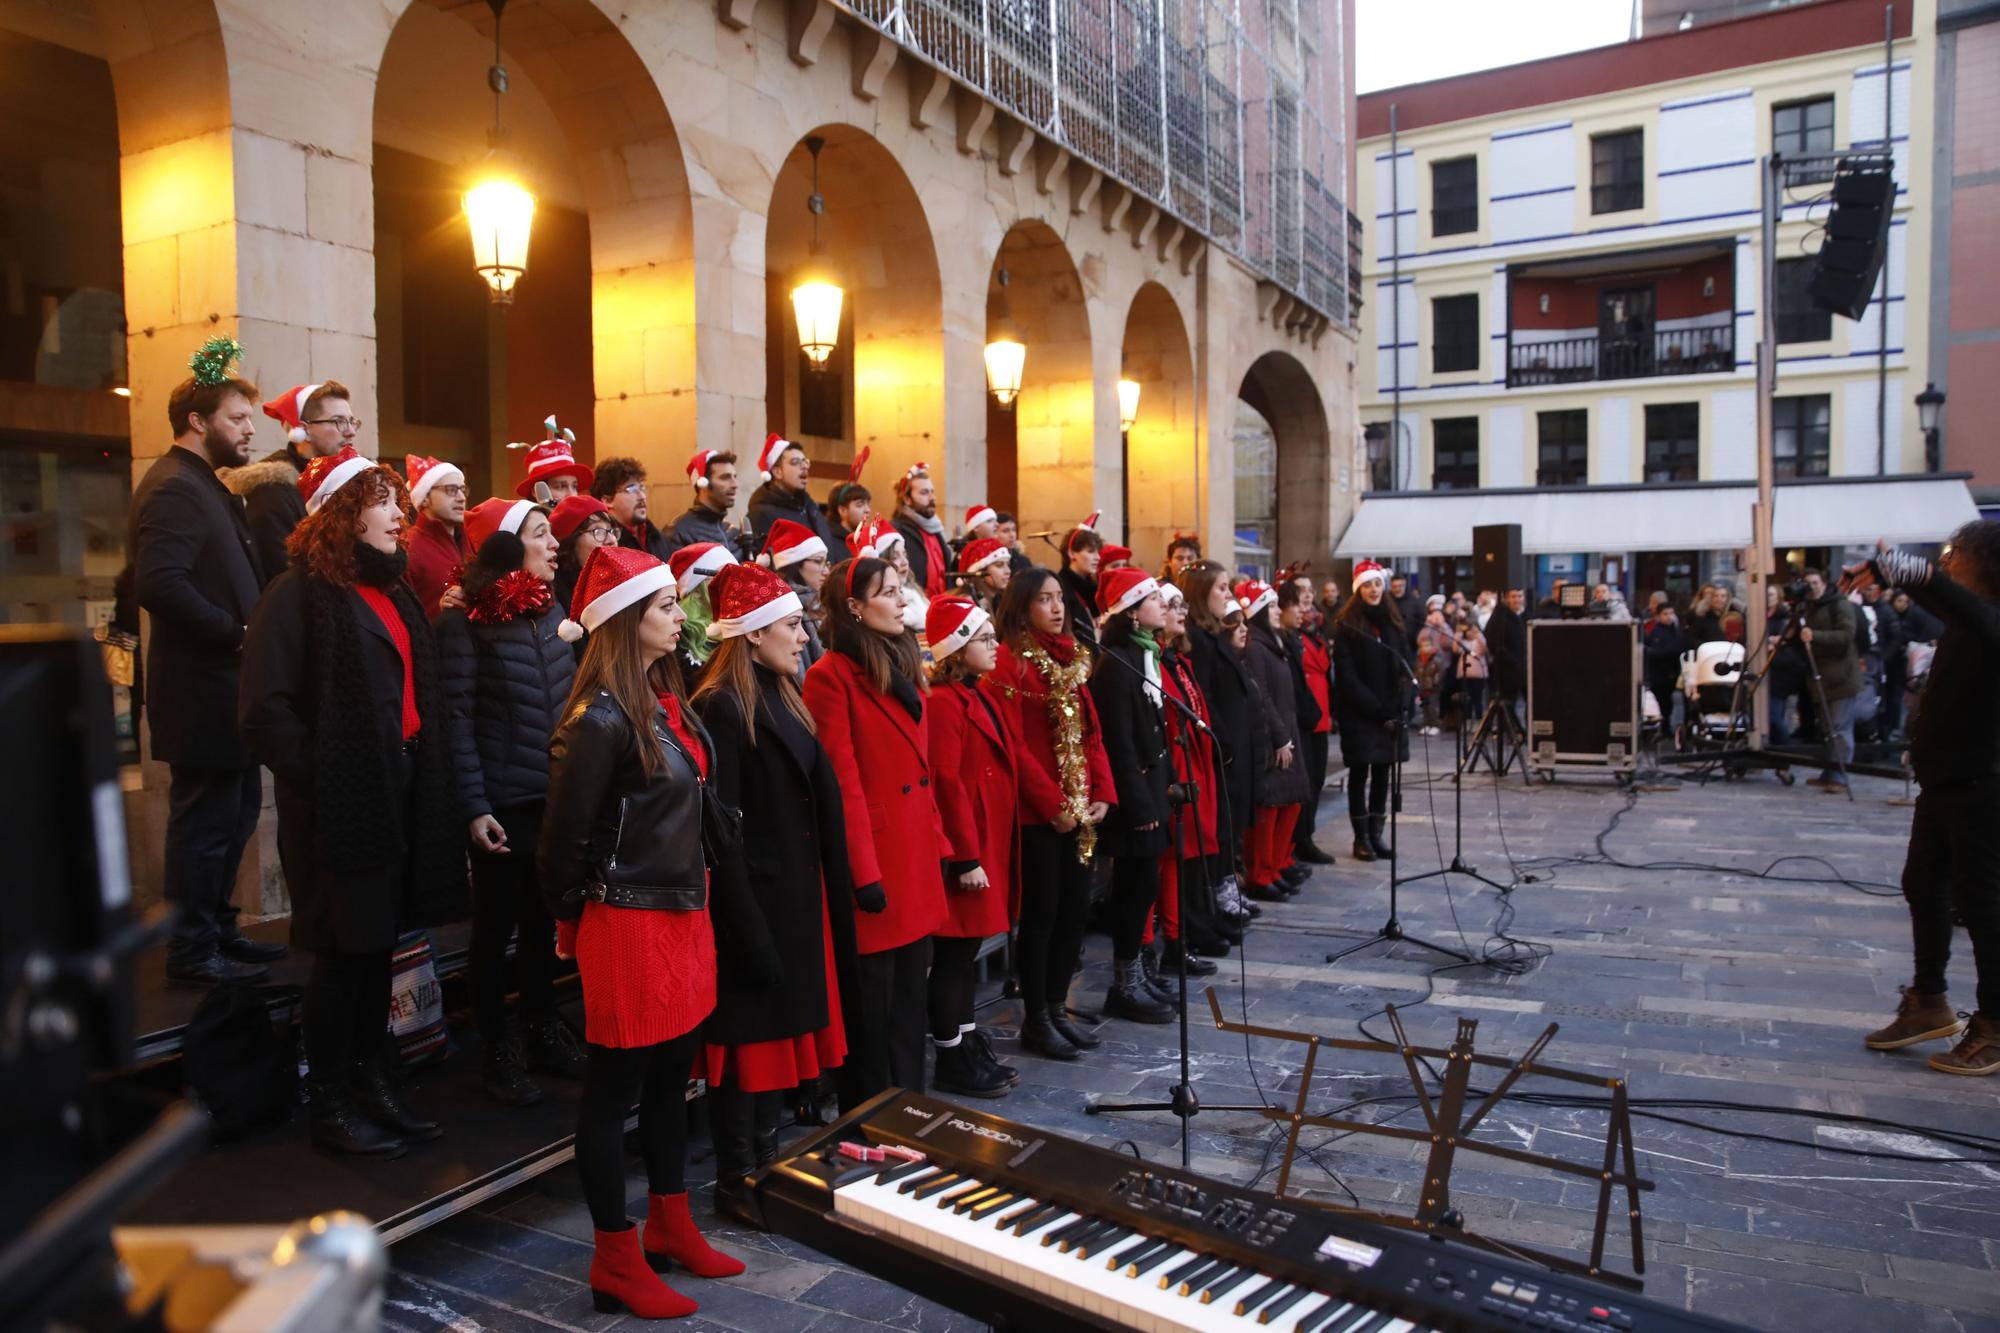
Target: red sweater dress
(977, 797)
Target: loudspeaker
(1583, 696)
(1857, 237)
(1496, 558)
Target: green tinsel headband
(211, 364)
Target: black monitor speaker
(1497, 564)
(1857, 237)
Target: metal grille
(1225, 113)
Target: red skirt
(787, 1062)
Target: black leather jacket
(611, 833)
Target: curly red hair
(324, 540)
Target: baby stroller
(1718, 716)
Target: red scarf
(384, 607)
(1060, 647)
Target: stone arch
(1278, 395)
(1161, 464)
(883, 387)
(1047, 444)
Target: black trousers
(506, 900)
(1135, 886)
(211, 816)
(1895, 680)
(1367, 790)
(1954, 863)
(953, 959)
(1055, 906)
(345, 1012)
(1315, 756)
(656, 1078)
(886, 1023)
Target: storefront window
(1256, 448)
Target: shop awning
(1700, 517)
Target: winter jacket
(771, 502)
(702, 524)
(1274, 722)
(1507, 645)
(1662, 645)
(272, 505)
(978, 797)
(1835, 645)
(1369, 680)
(646, 538)
(1221, 675)
(1135, 741)
(930, 559)
(505, 685)
(1955, 734)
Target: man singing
(712, 473)
(923, 532)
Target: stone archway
(1053, 461)
(1280, 396)
(1162, 475)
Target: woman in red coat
(976, 786)
(1185, 905)
(1040, 686)
(867, 698)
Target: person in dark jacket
(1507, 648)
(318, 421)
(343, 701)
(923, 531)
(713, 475)
(1371, 679)
(195, 572)
(1278, 784)
(763, 1040)
(1311, 660)
(508, 665)
(786, 493)
(1893, 647)
(1410, 606)
(1226, 685)
(1125, 686)
(1083, 551)
(1831, 634)
(621, 484)
(1662, 641)
(1951, 867)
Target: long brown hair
(1354, 612)
(882, 656)
(734, 669)
(1196, 582)
(1011, 619)
(324, 539)
(611, 663)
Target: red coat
(882, 757)
(978, 798)
(1194, 826)
(1317, 659)
(436, 553)
(1020, 696)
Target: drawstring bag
(416, 1001)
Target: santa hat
(697, 564)
(614, 578)
(980, 513)
(774, 449)
(873, 539)
(1232, 607)
(790, 543)
(1113, 554)
(1123, 589)
(1088, 525)
(911, 474)
(1171, 593)
(950, 624)
(494, 515)
(1369, 572)
(747, 597)
(573, 513)
(698, 468)
(425, 472)
(324, 476)
(981, 552)
(1254, 596)
(288, 409)
(552, 458)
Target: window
(1799, 320)
(1802, 127)
(1617, 171)
(1802, 435)
(1455, 454)
(1454, 333)
(1565, 448)
(1673, 442)
(1455, 196)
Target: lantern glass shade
(501, 215)
(1006, 356)
(1929, 403)
(1128, 403)
(816, 304)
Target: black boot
(378, 1099)
(1363, 849)
(339, 1127)
(1128, 997)
(764, 1110)
(1293, 876)
(1197, 966)
(1040, 1035)
(960, 1074)
(1059, 1016)
(1158, 984)
(1376, 823)
(732, 1127)
(550, 1045)
(982, 1046)
(1310, 853)
(504, 1077)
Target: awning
(1702, 517)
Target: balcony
(1684, 351)
(1632, 315)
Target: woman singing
(1370, 675)
(1186, 904)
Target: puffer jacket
(1274, 721)
(505, 686)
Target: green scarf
(694, 635)
(1150, 646)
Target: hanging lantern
(1128, 403)
(499, 210)
(1006, 354)
(817, 299)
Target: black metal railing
(1697, 351)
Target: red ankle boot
(671, 1235)
(619, 1277)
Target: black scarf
(900, 687)
(1381, 616)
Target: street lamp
(817, 298)
(499, 210)
(1930, 404)
(1006, 354)
(1128, 403)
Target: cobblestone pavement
(1692, 982)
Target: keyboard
(1029, 1230)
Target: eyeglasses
(599, 532)
(635, 488)
(345, 425)
(451, 490)
(987, 640)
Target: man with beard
(621, 484)
(786, 493)
(437, 546)
(923, 531)
(713, 475)
(1083, 551)
(195, 570)
(319, 422)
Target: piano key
(1103, 1241)
(1118, 1259)
(972, 1193)
(1369, 1321)
(1191, 1282)
(1172, 1277)
(910, 1182)
(897, 1170)
(1062, 1234)
(1014, 1215)
(930, 1187)
(1282, 1302)
(978, 1211)
(1042, 1217)
(1147, 1262)
(1222, 1286)
(1323, 1314)
(1256, 1296)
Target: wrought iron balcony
(1695, 351)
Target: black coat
(1507, 648)
(1135, 741)
(1370, 678)
(648, 539)
(919, 551)
(1222, 679)
(1306, 707)
(1275, 720)
(1662, 645)
(364, 863)
(195, 572)
(1079, 606)
(271, 504)
(505, 688)
(770, 502)
(794, 872)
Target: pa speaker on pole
(1857, 235)
(1496, 558)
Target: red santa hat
(980, 513)
(288, 409)
(749, 597)
(790, 543)
(573, 513)
(981, 552)
(1087, 525)
(950, 624)
(698, 467)
(1254, 596)
(1122, 589)
(614, 578)
(774, 449)
(1369, 572)
(552, 458)
(873, 539)
(1113, 554)
(324, 476)
(424, 472)
(697, 564)
(494, 515)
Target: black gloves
(872, 898)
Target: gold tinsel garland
(1066, 722)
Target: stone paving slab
(1695, 981)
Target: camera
(1796, 591)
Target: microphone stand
(1458, 865)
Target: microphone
(1052, 532)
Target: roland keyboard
(1030, 1231)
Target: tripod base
(1392, 933)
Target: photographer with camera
(1825, 626)
(1952, 864)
